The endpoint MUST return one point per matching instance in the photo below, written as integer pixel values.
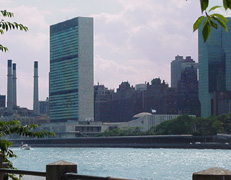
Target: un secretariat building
(71, 70)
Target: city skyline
(133, 40)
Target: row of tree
(183, 124)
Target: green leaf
(206, 30)
(6, 13)
(3, 26)
(227, 4)
(222, 23)
(197, 23)
(213, 24)
(6, 25)
(214, 7)
(219, 16)
(204, 5)
(2, 48)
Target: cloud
(134, 40)
(146, 34)
(24, 49)
(6, 3)
(68, 10)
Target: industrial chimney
(9, 89)
(14, 87)
(36, 102)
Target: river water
(134, 163)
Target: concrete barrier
(56, 170)
(212, 174)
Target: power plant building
(71, 71)
(214, 66)
(12, 107)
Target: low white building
(146, 121)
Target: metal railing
(54, 171)
(66, 176)
(22, 172)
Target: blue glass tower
(71, 70)
(214, 66)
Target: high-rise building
(44, 107)
(176, 70)
(102, 103)
(71, 91)
(177, 66)
(214, 66)
(187, 92)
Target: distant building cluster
(76, 107)
(155, 97)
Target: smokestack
(36, 102)
(9, 89)
(14, 87)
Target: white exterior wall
(86, 70)
(148, 121)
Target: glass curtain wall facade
(214, 66)
(71, 68)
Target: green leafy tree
(12, 128)
(185, 124)
(6, 25)
(208, 126)
(211, 20)
(225, 119)
(124, 131)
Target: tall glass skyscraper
(214, 66)
(71, 70)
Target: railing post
(56, 170)
(1, 166)
(212, 174)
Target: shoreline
(162, 141)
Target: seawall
(175, 141)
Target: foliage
(185, 124)
(225, 119)
(6, 26)
(181, 125)
(14, 127)
(124, 131)
(211, 20)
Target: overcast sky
(134, 40)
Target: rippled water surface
(150, 164)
